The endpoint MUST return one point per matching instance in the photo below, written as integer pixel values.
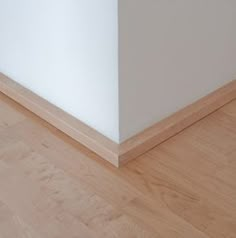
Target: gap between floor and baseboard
(118, 154)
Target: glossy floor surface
(52, 187)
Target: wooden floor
(52, 187)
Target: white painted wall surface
(67, 52)
(172, 52)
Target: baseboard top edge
(114, 153)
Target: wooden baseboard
(132, 148)
(177, 122)
(71, 126)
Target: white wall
(172, 52)
(67, 52)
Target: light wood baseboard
(118, 154)
(177, 122)
(66, 123)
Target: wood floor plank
(50, 186)
(64, 201)
(186, 198)
(11, 225)
(95, 175)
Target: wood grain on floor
(52, 187)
